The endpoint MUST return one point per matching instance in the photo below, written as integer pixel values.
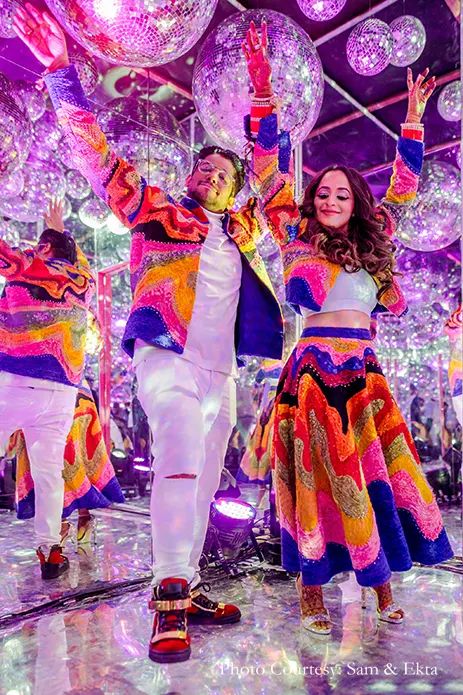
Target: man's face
(212, 183)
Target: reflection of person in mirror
(454, 330)
(351, 492)
(201, 299)
(42, 356)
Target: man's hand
(255, 52)
(418, 94)
(42, 35)
(54, 215)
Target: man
(201, 299)
(43, 320)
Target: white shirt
(210, 341)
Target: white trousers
(45, 416)
(191, 412)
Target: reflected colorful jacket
(167, 237)
(43, 315)
(309, 278)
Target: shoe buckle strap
(169, 634)
(169, 605)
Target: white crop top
(351, 291)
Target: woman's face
(334, 200)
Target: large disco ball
(7, 11)
(321, 10)
(11, 232)
(15, 135)
(139, 33)
(30, 98)
(41, 181)
(86, 69)
(47, 134)
(77, 186)
(148, 136)
(94, 212)
(409, 37)
(433, 221)
(449, 102)
(369, 47)
(221, 81)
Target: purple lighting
(234, 509)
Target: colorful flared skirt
(351, 494)
(255, 466)
(89, 478)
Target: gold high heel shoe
(86, 533)
(309, 622)
(391, 614)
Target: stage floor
(88, 632)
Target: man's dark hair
(238, 163)
(62, 244)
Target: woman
(351, 493)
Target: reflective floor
(74, 641)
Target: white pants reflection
(45, 416)
(191, 412)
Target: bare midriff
(339, 319)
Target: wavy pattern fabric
(43, 315)
(308, 278)
(89, 478)
(350, 490)
(166, 241)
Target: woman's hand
(54, 215)
(42, 35)
(418, 94)
(255, 52)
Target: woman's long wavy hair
(366, 245)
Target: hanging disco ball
(94, 212)
(409, 37)
(29, 98)
(148, 136)
(449, 102)
(15, 135)
(369, 47)
(47, 134)
(7, 12)
(458, 157)
(77, 186)
(221, 81)
(41, 181)
(67, 208)
(64, 151)
(139, 33)
(321, 10)
(11, 232)
(12, 186)
(86, 70)
(433, 220)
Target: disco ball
(409, 37)
(5, 84)
(67, 208)
(15, 135)
(64, 151)
(47, 134)
(321, 10)
(40, 183)
(7, 11)
(433, 221)
(449, 102)
(139, 33)
(11, 232)
(77, 186)
(29, 98)
(221, 81)
(148, 136)
(11, 186)
(369, 47)
(86, 70)
(458, 157)
(94, 212)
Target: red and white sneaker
(204, 611)
(170, 641)
(55, 564)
